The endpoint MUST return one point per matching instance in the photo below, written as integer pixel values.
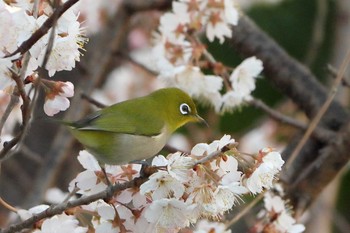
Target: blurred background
(116, 66)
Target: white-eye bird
(135, 129)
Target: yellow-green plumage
(135, 129)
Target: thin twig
(14, 100)
(211, 59)
(244, 211)
(333, 71)
(214, 154)
(33, 156)
(59, 208)
(321, 112)
(36, 8)
(92, 100)
(27, 105)
(71, 194)
(40, 32)
(7, 205)
(51, 38)
(318, 31)
(322, 134)
(25, 118)
(136, 63)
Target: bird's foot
(108, 182)
(142, 162)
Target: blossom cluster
(179, 54)
(276, 216)
(24, 21)
(203, 184)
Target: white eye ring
(185, 109)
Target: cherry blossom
(206, 149)
(269, 163)
(243, 76)
(25, 214)
(191, 79)
(204, 226)
(180, 167)
(56, 97)
(281, 220)
(168, 213)
(221, 16)
(162, 185)
(8, 37)
(243, 83)
(66, 223)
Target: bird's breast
(130, 147)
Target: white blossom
(25, 214)
(167, 55)
(273, 159)
(173, 24)
(205, 88)
(87, 181)
(204, 226)
(106, 227)
(265, 172)
(55, 105)
(57, 100)
(206, 149)
(221, 16)
(284, 222)
(162, 185)
(168, 213)
(106, 211)
(88, 161)
(8, 36)
(243, 83)
(159, 160)
(231, 100)
(180, 167)
(273, 203)
(55, 195)
(243, 76)
(262, 177)
(61, 223)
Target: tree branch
(319, 133)
(35, 37)
(26, 113)
(296, 81)
(60, 208)
(287, 74)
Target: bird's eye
(185, 109)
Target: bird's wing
(123, 118)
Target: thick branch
(296, 81)
(320, 172)
(289, 76)
(60, 208)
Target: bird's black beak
(201, 120)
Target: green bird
(135, 129)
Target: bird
(136, 129)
